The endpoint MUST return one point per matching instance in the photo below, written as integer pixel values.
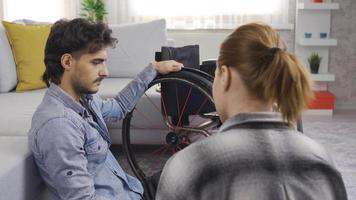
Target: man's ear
(66, 61)
(225, 77)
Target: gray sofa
(19, 179)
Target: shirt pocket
(96, 151)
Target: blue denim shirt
(71, 149)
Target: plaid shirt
(254, 156)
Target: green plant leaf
(314, 58)
(93, 10)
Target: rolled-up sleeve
(116, 108)
(60, 143)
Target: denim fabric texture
(70, 142)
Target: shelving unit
(323, 77)
(315, 18)
(317, 42)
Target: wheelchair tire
(197, 125)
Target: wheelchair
(178, 109)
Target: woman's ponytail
(288, 84)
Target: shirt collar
(62, 96)
(243, 118)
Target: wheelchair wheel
(176, 110)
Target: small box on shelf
(323, 100)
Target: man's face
(89, 71)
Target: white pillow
(8, 77)
(136, 47)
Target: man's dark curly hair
(76, 37)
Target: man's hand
(164, 67)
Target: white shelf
(323, 77)
(317, 42)
(318, 6)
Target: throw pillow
(28, 43)
(136, 47)
(8, 78)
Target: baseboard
(328, 112)
(345, 106)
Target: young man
(68, 137)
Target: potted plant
(314, 62)
(93, 10)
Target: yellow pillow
(28, 43)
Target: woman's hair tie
(271, 53)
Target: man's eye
(96, 62)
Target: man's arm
(116, 108)
(63, 162)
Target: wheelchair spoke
(147, 118)
(184, 107)
(200, 108)
(177, 100)
(165, 117)
(150, 100)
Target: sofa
(19, 179)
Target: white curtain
(1, 10)
(199, 14)
(40, 10)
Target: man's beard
(81, 89)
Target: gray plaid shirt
(255, 156)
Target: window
(202, 14)
(38, 10)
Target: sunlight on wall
(38, 10)
(1, 10)
(203, 7)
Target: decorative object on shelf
(314, 62)
(317, 1)
(93, 10)
(323, 35)
(307, 35)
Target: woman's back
(254, 156)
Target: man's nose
(104, 71)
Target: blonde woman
(257, 154)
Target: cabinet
(315, 18)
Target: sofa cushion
(28, 43)
(8, 78)
(19, 178)
(136, 48)
(17, 110)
